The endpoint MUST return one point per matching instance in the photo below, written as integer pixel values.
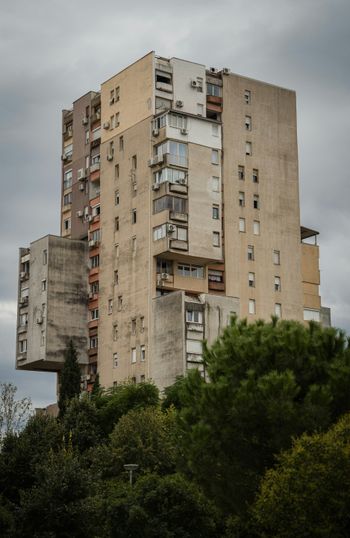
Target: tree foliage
(269, 382)
(70, 378)
(81, 424)
(13, 413)
(308, 493)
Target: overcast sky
(53, 51)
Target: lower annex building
(179, 207)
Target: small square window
(247, 97)
(241, 225)
(143, 353)
(134, 162)
(120, 302)
(121, 143)
(115, 360)
(255, 175)
(133, 355)
(251, 280)
(45, 257)
(116, 224)
(116, 171)
(278, 310)
(250, 252)
(117, 94)
(248, 123)
(133, 216)
(142, 323)
(256, 201)
(133, 244)
(241, 199)
(277, 283)
(215, 212)
(142, 378)
(248, 148)
(214, 156)
(115, 332)
(252, 306)
(117, 250)
(116, 198)
(256, 227)
(241, 172)
(215, 184)
(216, 239)
(43, 285)
(133, 326)
(110, 306)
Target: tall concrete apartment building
(179, 207)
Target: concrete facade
(182, 182)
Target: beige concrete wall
(310, 275)
(136, 102)
(274, 154)
(134, 268)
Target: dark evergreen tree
(70, 378)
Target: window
(250, 252)
(67, 199)
(248, 123)
(116, 121)
(133, 326)
(142, 354)
(116, 277)
(251, 306)
(215, 276)
(134, 162)
(277, 283)
(93, 342)
(68, 151)
(95, 235)
(181, 233)
(121, 143)
(67, 179)
(117, 94)
(278, 310)
(110, 153)
(215, 129)
(133, 244)
(133, 380)
(311, 315)
(159, 232)
(241, 199)
(117, 250)
(142, 378)
(116, 171)
(94, 313)
(95, 261)
(116, 224)
(87, 137)
(120, 302)
(256, 202)
(189, 270)
(215, 156)
(23, 320)
(133, 354)
(116, 198)
(247, 97)
(216, 239)
(44, 257)
(241, 225)
(214, 90)
(110, 306)
(215, 212)
(96, 210)
(111, 97)
(170, 174)
(276, 257)
(248, 148)
(194, 316)
(115, 360)
(22, 346)
(94, 287)
(251, 280)
(95, 159)
(142, 322)
(42, 340)
(255, 175)
(133, 216)
(43, 285)
(175, 120)
(256, 227)
(66, 224)
(200, 109)
(176, 151)
(173, 203)
(115, 332)
(215, 184)
(241, 172)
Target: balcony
(178, 244)
(216, 286)
(181, 217)
(24, 275)
(94, 168)
(23, 301)
(164, 87)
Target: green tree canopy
(269, 382)
(80, 424)
(308, 493)
(70, 378)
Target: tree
(269, 382)
(80, 424)
(164, 507)
(308, 493)
(70, 378)
(13, 413)
(146, 437)
(172, 394)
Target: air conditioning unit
(194, 83)
(155, 187)
(226, 71)
(171, 228)
(155, 132)
(92, 243)
(90, 218)
(106, 125)
(81, 174)
(82, 187)
(85, 120)
(80, 214)
(179, 104)
(213, 70)
(165, 276)
(109, 156)
(184, 131)
(182, 181)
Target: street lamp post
(131, 467)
